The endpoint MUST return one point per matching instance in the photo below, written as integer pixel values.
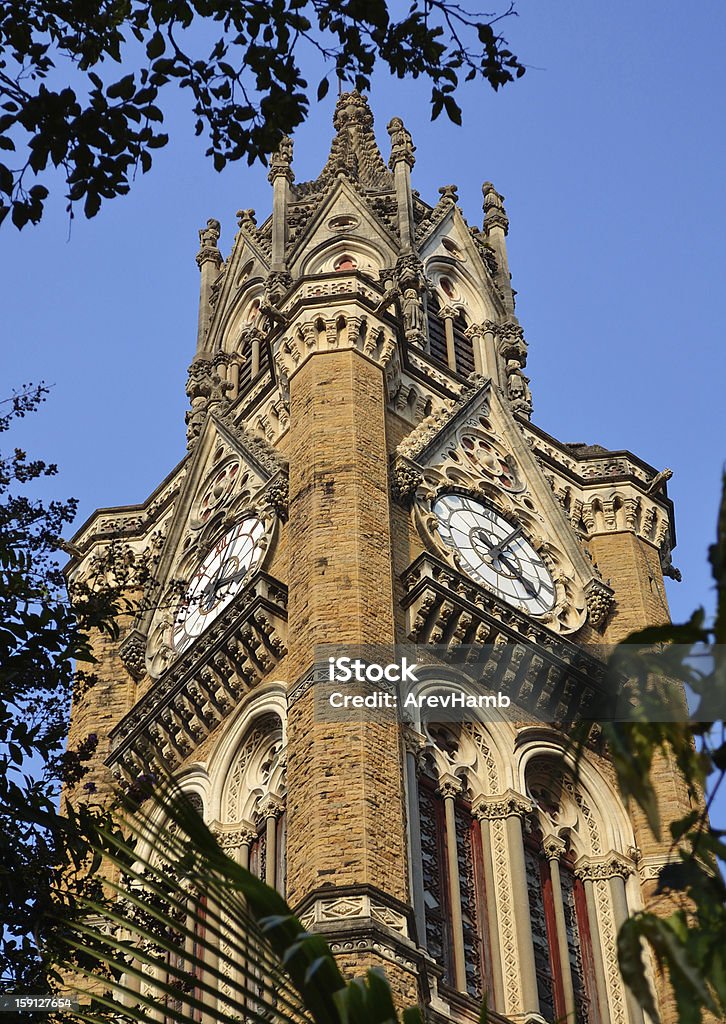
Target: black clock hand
(495, 552)
(531, 590)
(221, 581)
(206, 598)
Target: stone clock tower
(363, 468)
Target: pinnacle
(354, 151)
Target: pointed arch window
(450, 880)
(448, 343)
(552, 911)
(254, 815)
(438, 874)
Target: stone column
(449, 789)
(269, 810)
(553, 848)
(508, 810)
(480, 812)
(414, 745)
(281, 178)
(448, 315)
(475, 334)
(616, 882)
(255, 339)
(401, 162)
(584, 873)
(491, 362)
(209, 261)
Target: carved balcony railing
(206, 683)
(546, 675)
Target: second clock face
(493, 551)
(220, 576)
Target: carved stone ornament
(449, 786)
(553, 847)
(269, 806)
(208, 247)
(232, 838)
(402, 147)
(205, 390)
(281, 160)
(133, 654)
(612, 865)
(600, 598)
(494, 212)
(505, 805)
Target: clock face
(494, 552)
(220, 576)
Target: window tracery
(470, 825)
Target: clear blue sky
(610, 153)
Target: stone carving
(281, 160)
(205, 390)
(406, 478)
(402, 147)
(613, 865)
(511, 340)
(494, 212)
(554, 847)
(354, 152)
(208, 247)
(659, 481)
(669, 569)
(518, 391)
(600, 599)
(133, 654)
(502, 806)
(246, 219)
(277, 285)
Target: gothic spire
(354, 150)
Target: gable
(475, 447)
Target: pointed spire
(354, 150)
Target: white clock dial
(220, 576)
(494, 552)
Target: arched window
(561, 926)
(447, 336)
(253, 825)
(452, 876)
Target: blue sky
(610, 153)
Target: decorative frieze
(538, 669)
(203, 685)
(501, 806)
(612, 865)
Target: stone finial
(494, 213)
(246, 219)
(208, 244)
(402, 147)
(449, 193)
(354, 152)
(352, 108)
(281, 161)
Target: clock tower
(363, 470)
